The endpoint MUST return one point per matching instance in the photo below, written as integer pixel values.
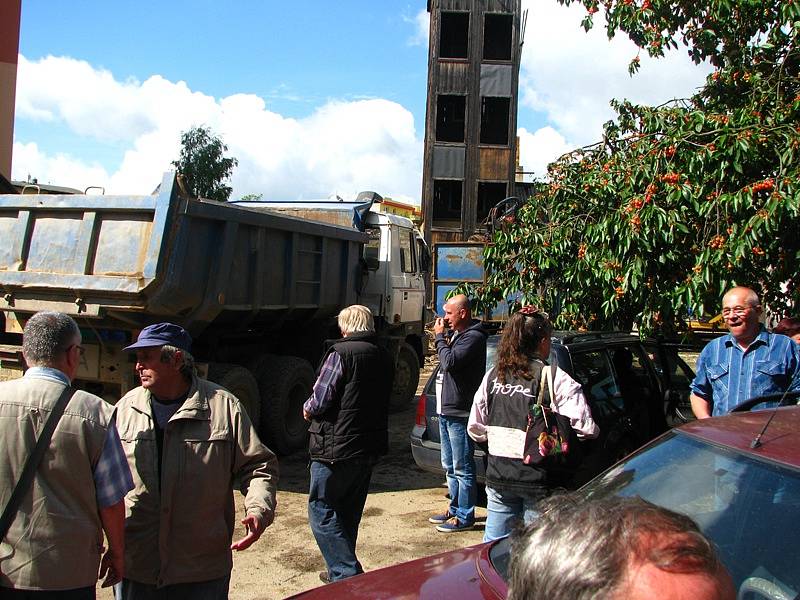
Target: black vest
(356, 422)
(507, 406)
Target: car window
(631, 360)
(671, 367)
(593, 371)
(747, 507)
(372, 249)
(677, 376)
(407, 264)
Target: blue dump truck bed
(134, 259)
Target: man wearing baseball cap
(187, 440)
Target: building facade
(471, 114)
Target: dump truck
(258, 289)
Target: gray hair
(46, 335)
(582, 550)
(356, 319)
(187, 367)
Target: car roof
(779, 443)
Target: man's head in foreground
(614, 549)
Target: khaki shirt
(180, 529)
(55, 539)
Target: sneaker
(323, 577)
(453, 524)
(439, 519)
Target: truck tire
(406, 378)
(241, 383)
(285, 383)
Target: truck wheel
(241, 383)
(406, 378)
(285, 383)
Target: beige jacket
(180, 530)
(54, 542)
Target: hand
(306, 415)
(438, 325)
(254, 525)
(112, 567)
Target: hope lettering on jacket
(508, 388)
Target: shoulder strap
(34, 460)
(546, 379)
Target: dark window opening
(497, 37)
(489, 194)
(453, 34)
(450, 118)
(447, 200)
(494, 120)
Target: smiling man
(187, 441)
(749, 361)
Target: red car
(737, 476)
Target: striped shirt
(727, 375)
(112, 475)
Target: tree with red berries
(678, 202)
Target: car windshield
(748, 507)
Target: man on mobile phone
(461, 346)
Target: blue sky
(312, 97)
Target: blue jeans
(215, 589)
(336, 500)
(505, 510)
(458, 462)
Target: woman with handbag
(527, 411)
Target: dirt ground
(394, 528)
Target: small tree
(203, 165)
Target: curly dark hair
(518, 345)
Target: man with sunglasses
(54, 545)
(749, 361)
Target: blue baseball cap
(163, 334)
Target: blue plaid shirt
(727, 375)
(112, 475)
(326, 386)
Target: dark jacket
(356, 423)
(462, 364)
(510, 411)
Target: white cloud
(568, 76)
(342, 146)
(422, 25)
(60, 169)
(540, 148)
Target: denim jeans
(336, 500)
(458, 461)
(214, 589)
(506, 509)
